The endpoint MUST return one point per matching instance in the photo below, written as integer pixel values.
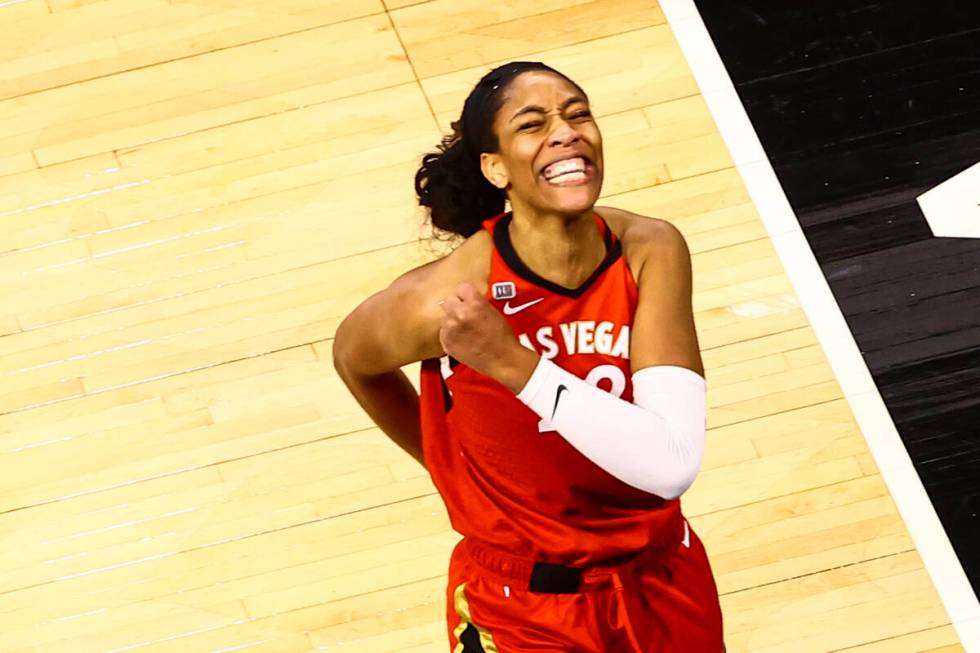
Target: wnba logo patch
(504, 290)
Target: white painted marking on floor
(952, 208)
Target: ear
(494, 170)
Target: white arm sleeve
(655, 444)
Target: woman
(562, 407)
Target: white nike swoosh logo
(510, 310)
(687, 536)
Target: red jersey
(506, 476)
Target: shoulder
(645, 238)
(467, 262)
(377, 342)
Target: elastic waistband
(537, 576)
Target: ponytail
(451, 184)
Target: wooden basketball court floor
(192, 196)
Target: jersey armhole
(619, 215)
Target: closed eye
(538, 123)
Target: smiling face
(544, 119)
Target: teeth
(562, 167)
(574, 175)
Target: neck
(562, 248)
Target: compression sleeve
(655, 444)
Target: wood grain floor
(194, 193)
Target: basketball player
(563, 398)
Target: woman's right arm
(394, 327)
(398, 326)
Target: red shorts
(664, 601)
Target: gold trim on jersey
(463, 610)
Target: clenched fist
(475, 334)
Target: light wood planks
(194, 193)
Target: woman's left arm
(657, 442)
(663, 331)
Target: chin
(574, 200)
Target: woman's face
(544, 120)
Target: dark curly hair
(450, 182)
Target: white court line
(827, 321)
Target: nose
(563, 133)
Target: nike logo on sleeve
(510, 310)
(561, 387)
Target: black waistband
(554, 579)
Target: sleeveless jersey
(506, 476)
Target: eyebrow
(533, 107)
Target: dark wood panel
(959, 515)
(775, 37)
(882, 220)
(908, 158)
(855, 99)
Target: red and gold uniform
(557, 554)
